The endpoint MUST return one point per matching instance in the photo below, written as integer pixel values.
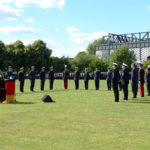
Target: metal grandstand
(138, 42)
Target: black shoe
(116, 101)
(134, 97)
(125, 99)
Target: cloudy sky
(67, 26)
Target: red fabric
(141, 85)
(65, 84)
(10, 87)
(139, 70)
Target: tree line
(38, 54)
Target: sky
(68, 26)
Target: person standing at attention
(66, 77)
(115, 81)
(76, 78)
(51, 77)
(97, 75)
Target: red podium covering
(10, 91)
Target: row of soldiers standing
(66, 72)
(113, 78)
(137, 76)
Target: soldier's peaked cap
(115, 64)
(124, 65)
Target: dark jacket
(21, 76)
(42, 75)
(109, 76)
(51, 75)
(134, 75)
(97, 75)
(76, 75)
(86, 76)
(32, 75)
(147, 77)
(115, 76)
(125, 76)
(9, 74)
(66, 75)
(141, 75)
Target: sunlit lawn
(79, 120)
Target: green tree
(82, 60)
(58, 63)
(2, 55)
(91, 47)
(38, 54)
(11, 57)
(122, 55)
(146, 63)
(19, 54)
(99, 63)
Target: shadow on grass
(141, 101)
(18, 102)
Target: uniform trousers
(42, 84)
(76, 84)
(134, 86)
(141, 86)
(148, 88)
(21, 86)
(65, 84)
(116, 92)
(51, 84)
(125, 90)
(86, 84)
(109, 85)
(97, 84)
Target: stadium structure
(138, 42)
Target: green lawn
(79, 120)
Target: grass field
(79, 120)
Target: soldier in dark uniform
(66, 77)
(76, 78)
(51, 77)
(125, 80)
(120, 83)
(42, 78)
(86, 79)
(134, 80)
(32, 76)
(108, 79)
(9, 73)
(21, 77)
(141, 79)
(115, 81)
(148, 81)
(97, 75)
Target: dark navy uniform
(76, 79)
(86, 80)
(97, 75)
(32, 76)
(21, 77)
(125, 82)
(141, 81)
(120, 83)
(115, 81)
(108, 79)
(147, 77)
(51, 79)
(42, 78)
(134, 82)
(9, 74)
